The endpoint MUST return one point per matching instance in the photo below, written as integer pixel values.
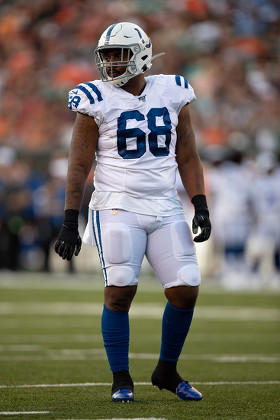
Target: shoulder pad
(91, 94)
(171, 79)
(181, 81)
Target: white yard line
(97, 384)
(139, 310)
(21, 347)
(41, 338)
(58, 338)
(99, 354)
(19, 323)
(15, 413)
(136, 418)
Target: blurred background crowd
(228, 50)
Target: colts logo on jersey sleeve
(74, 99)
(89, 89)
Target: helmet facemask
(111, 70)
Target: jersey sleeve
(85, 98)
(178, 90)
(185, 92)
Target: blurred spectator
(264, 249)
(230, 197)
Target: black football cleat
(172, 381)
(122, 388)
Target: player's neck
(136, 85)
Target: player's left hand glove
(68, 241)
(201, 218)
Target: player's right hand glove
(201, 218)
(68, 241)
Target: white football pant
(123, 238)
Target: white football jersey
(266, 202)
(136, 161)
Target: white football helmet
(135, 53)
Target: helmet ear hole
(144, 58)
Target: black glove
(201, 218)
(68, 241)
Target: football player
(140, 130)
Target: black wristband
(71, 216)
(199, 202)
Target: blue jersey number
(124, 133)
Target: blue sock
(175, 327)
(115, 331)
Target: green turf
(50, 335)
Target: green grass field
(53, 365)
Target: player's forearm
(78, 170)
(75, 187)
(188, 159)
(191, 173)
(81, 156)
